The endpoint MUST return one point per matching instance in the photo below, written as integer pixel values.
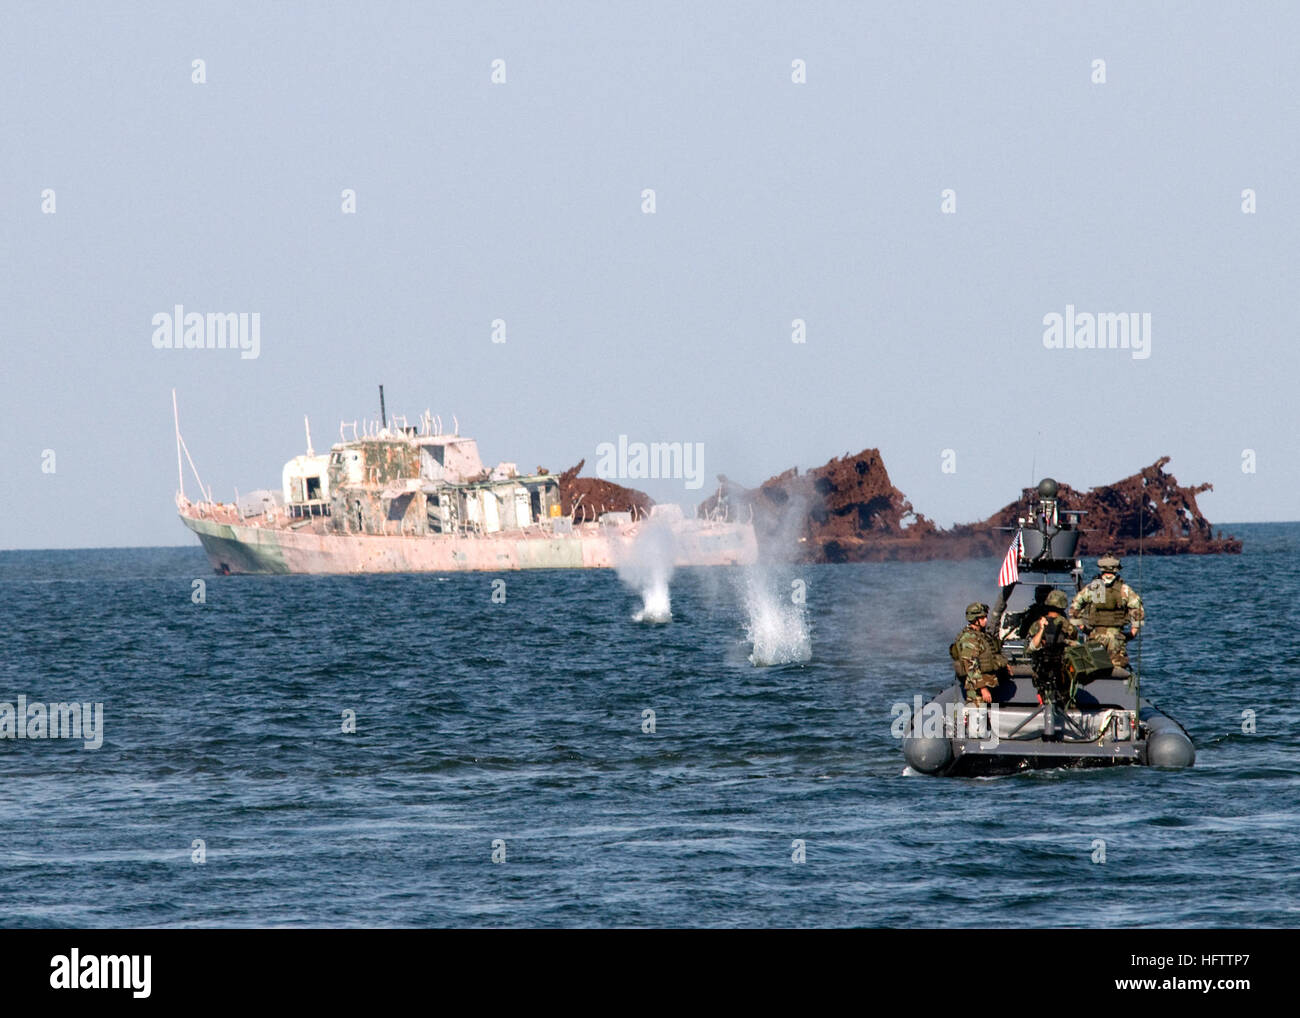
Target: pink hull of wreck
(247, 548)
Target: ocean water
(522, 723)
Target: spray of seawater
(646, 565)
(777, 623)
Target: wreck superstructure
(411, 498)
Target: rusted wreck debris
(849, 511)
(585, 498)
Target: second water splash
(776, 625)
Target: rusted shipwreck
(412, 498)
(849, 511)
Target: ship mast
(180, 445)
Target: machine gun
(1048, 661)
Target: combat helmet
(1108, 564)
(975, 610)
(1056, 599)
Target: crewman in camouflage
(1056, 607)
(1105, 606)
(1047, 655)
(977, 659)
(1035, 611)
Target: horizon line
(199, 547)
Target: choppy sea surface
(524, 724)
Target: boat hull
(946, 737)
(244, 548)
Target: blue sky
(774, 201)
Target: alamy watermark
(75, 971)
(83, 721)
(626, 460)
(179, 330)
(944, 720)
(1083, 330)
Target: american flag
(1010, 572)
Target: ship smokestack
(383, 414)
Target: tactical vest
(957, 667)
(1111, 612)
(990, 658)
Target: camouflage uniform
(977, 657)
(1049, 674)
(1068, 630)
(1104, 609)
(1035, 611)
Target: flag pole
(180, 473)
(1137, 684)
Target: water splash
(656, 604)
(777, 627)
(646, 565)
